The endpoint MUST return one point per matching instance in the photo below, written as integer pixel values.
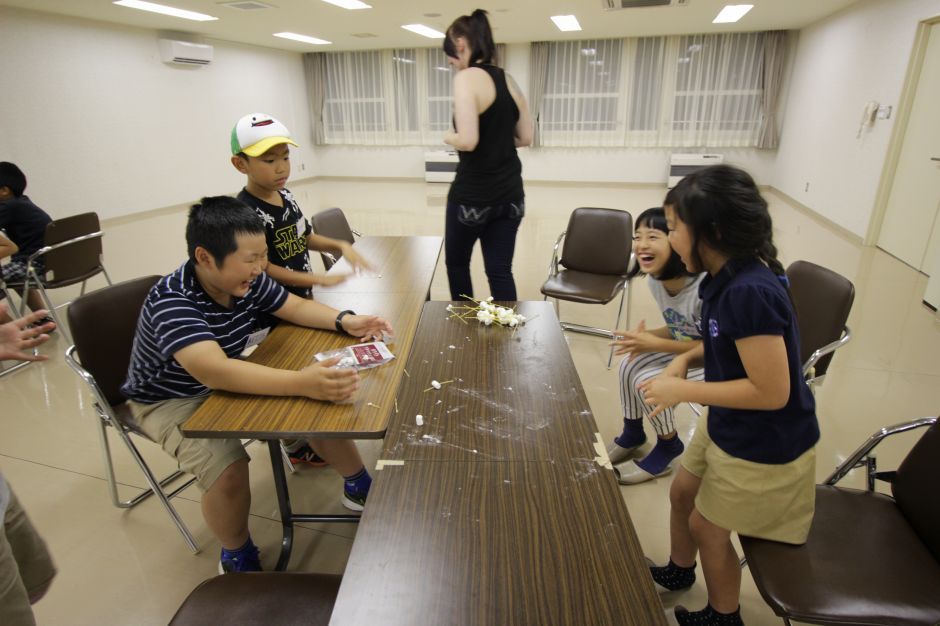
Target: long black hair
(475, 28)
(723, 208)
(655, 218)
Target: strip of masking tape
(601, 459)
(383, 462)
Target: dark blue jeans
(495, 226)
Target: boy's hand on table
(328, 280)
(322, 381)
(355, 259)
(366, 326)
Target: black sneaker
(305, 455)
(354, 501)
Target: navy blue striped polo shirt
(177, 313)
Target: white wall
(852, 57)
(98, 122)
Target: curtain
(775, 50)
(538, 74)
(316, 91)
(680, 91)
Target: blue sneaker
(245, 559)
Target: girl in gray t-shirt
(648, 352)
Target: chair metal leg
(156, 486)
(623, 294)
(286, 458)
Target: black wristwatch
(339, 320)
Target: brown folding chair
(72, 254)
(332, 223)
(869, 558)
(103, 324)
(596, 259)
(260, 599)
(823, 301)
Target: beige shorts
(26, 568)
(774, 502)
(205, 459)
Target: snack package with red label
(361, 356)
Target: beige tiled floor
(131, 567)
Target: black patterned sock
(673, 577)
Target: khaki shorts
(205, 459)
(774, 502)
(26, 568)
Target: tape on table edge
(383, 462)
(601, 459)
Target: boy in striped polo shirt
(194, 324)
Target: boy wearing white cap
(260, 151)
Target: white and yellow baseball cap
(256, 133)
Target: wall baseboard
(818, 217)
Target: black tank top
(492, 173)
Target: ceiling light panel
(424, 31)
(162, 9)
(303, 38)
(566, 22)
(352, 5)
(732, 13)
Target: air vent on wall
(612, 5)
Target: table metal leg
(288, 517)
(283, 503)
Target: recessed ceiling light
(566, 22)
(732, 13)
(302, 38)
(153, 7)
(364, 35)
(424, 31)
(432, 15)
(352, 5)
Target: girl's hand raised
(662, 392)
(634, 342)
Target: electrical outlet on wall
(806, 189)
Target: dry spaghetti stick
(406, 373)
(373, 405)
(396, 405)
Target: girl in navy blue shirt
(751, 465)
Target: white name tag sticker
(254, 339)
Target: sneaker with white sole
(354, 501)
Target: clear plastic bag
(360, 356)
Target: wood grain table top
(292, 347)
(453, 542)
(514, 395)
(402, 264)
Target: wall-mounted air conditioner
(184, 52)
(613, 5)
(681, 165)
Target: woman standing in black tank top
(486, 200)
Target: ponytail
(475, 28)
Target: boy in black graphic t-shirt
(260, 151)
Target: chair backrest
(598, 241)
(823, 300)
(331, 223)
(75, 262)
(103, 324)
(916, 485)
